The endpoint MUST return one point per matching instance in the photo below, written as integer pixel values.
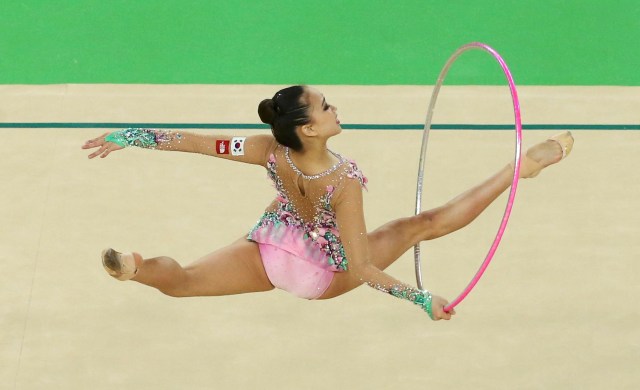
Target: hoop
(516, 171)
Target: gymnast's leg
(390, 241)
(235, 269)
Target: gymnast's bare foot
(546, 153)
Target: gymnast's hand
(106, 147)
(437, 308)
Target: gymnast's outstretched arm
(353, 234)
(251, 149)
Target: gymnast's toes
(122, 266)
(546, 153)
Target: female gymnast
(312, 240)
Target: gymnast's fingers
(440, 314)
(438, 304)
(95, 142)
(91, 144)
(99, 151)
(448, 314)
(110, 148)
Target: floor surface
(557, 309)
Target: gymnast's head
(298, 116)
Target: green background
(573, 42)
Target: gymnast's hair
(284, 112)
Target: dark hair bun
(284, 112)
(267, 111)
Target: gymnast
(311, 240)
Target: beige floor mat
(557, 309)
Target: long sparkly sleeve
(146, 138)
(353, 234)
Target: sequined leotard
(298, 237)
(298, 233)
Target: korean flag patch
(237, 146)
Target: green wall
(545, 42)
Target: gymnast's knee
(430, 225)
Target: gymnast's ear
(308, 131)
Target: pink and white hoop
(516, 171)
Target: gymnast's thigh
(234, 269)
(342, 283)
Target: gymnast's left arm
(250, 149)
(353, 234)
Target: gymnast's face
(324, 116)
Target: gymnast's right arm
(251, 149)
(353, 234)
